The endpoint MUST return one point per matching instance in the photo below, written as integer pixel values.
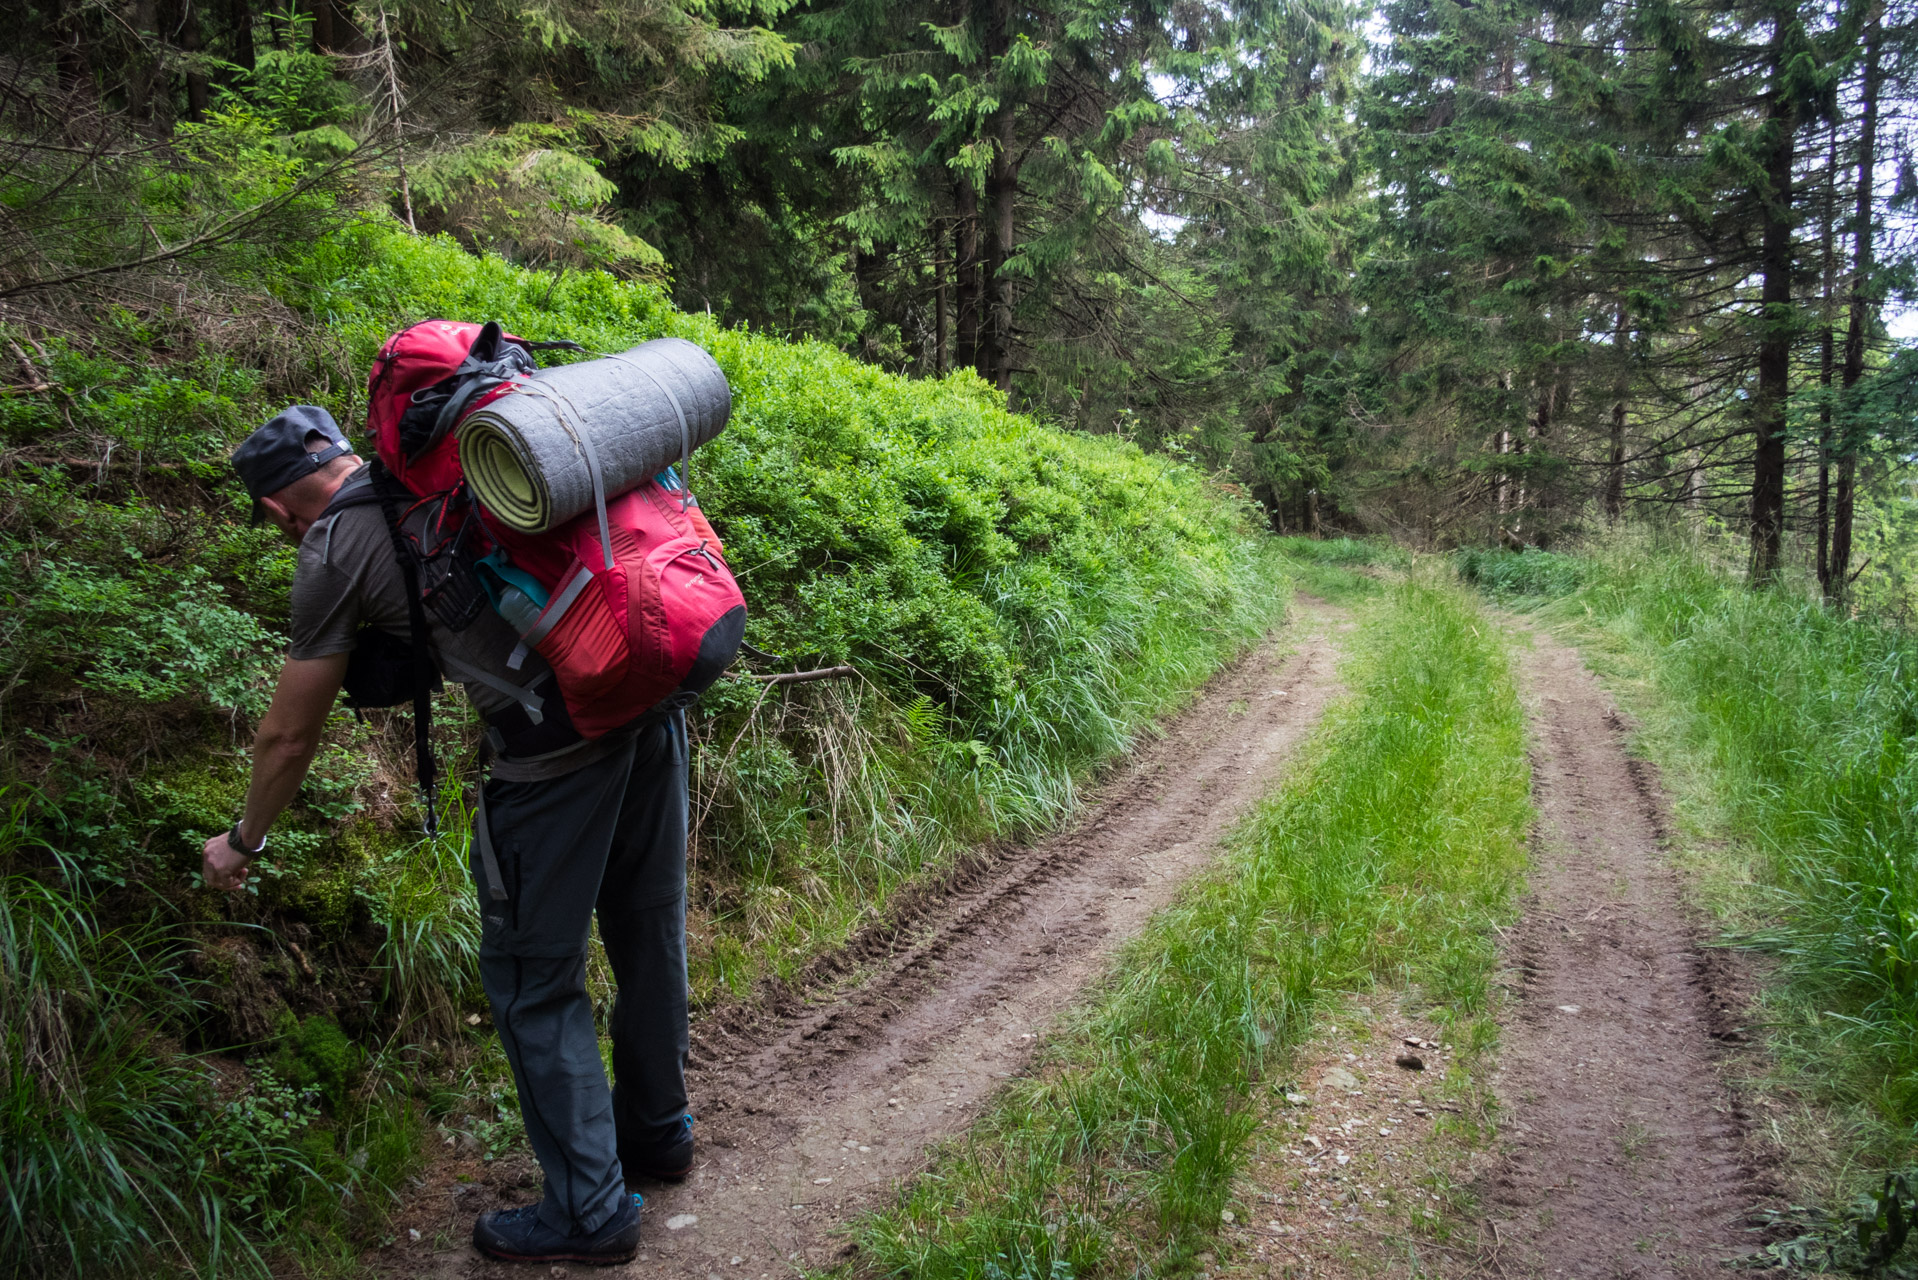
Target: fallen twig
(801, 677)
(36, 381)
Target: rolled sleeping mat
(531, 455)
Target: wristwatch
(239, 846)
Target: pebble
(820, 1182)
(680, 1221)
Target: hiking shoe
(517, 1235)
(668, 1160)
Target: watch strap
(239, 846)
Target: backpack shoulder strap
(424, 672)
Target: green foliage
(316, 1058)
(1866, 1239)
(295, 91)
(1508, 574)
(1396, 842)
(523, 194)
(1344, 552)
(100, 1145)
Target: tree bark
(1005, 181)
(966, 254)
(239, 19)
(1775, 325)
(1827, 360)
(1858, 319)
(141, 67)
(941, 326)
(70, 62)
(192, 40)
(324, 40)
(1621, 393)
(1001, 193)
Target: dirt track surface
(1622, 1148)
(810, 1114)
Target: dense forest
(1040, 320)
(1447, 272)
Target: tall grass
(101, 1168)
(1394, 846)
(1799, 726)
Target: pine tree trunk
(141, 74)
(1774, 343)
(1005, 177)
(239, 19)
(941, 326)
(1621, 392)
(193, 40)
(323, 36)
(1858, 319)
(1827, 359)
(71, 65)
(1001, 191)
(966, 254)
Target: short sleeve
(326, 591)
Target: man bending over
(576, 827)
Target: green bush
(1346, 552)
(1513, 574)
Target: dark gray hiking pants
(610, 836)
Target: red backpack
(642, 620)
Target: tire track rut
(1623, 1151)
(810, 1113)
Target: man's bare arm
(282, 751)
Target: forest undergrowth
(204, 1084)
(1790, 733)
(1395, 846)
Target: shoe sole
(591, 1260)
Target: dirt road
(1622, 1147)
(807, 1117)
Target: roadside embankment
(199, 1081)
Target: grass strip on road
(1388, 855)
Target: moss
(326, 892)
(315, 1054)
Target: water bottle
(517, 608)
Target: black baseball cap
(276, 455)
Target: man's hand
(221, 865)
(282, 749)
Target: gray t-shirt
(347, 578)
